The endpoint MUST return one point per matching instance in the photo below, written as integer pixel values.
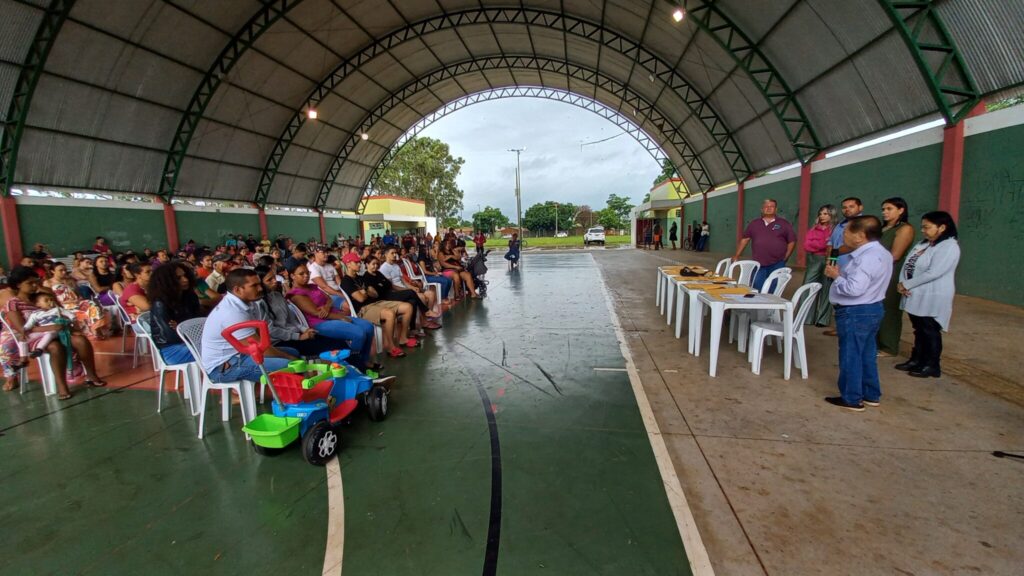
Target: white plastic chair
(161, 368)
(48, 380)
(746, 269)
(775, 284)
(435, 286)
(191, 332)
(140, 346)
(803, 302)
(299, 316)
(378, 332)
(722, 268)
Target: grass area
(550, 242)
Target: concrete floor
(781, 483)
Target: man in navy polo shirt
(772, 241)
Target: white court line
(697, 554)
(335, 520)
(610, 370)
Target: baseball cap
(351, 257)
(222, 258)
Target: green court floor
(515, 446)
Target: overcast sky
(554, 167)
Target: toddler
(49, 314)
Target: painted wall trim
(76, 203)
(913, 141)
(791, 174)
(214, 209)
(730, 189)
(997, 120)
(272, 212)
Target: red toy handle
(256, 348)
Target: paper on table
(717, 289)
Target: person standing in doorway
(705, 235)
(857, 292)
(772, 241)
(852, 207)
(673, 234)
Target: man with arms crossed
(772, 241)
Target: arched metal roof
(209, 99)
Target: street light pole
(519, 205)
(556, 219)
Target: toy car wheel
(320, 444)
(377, 403)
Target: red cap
(351, 257)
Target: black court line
(69, 406)
(490, 567)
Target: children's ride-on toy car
(310, 398)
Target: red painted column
(804, 210)
(263, 224)
(951, 177)
(323, 230)
(705, 209)
(740, 222)
(171, 225)
(12, 230)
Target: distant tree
(609, 219)
(647, 198)
(667, 171)
(620, 205)
(489, 219)
(585, 216)
(541, 217)
(424, 169)
(451, 222)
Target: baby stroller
(477, 267)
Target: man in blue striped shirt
(858, 288)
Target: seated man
(220, 360)
(413, 292)
(325, 276)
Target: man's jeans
(242, 367)
(857, 328)
(764, 271)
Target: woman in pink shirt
(814, 243)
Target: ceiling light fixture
(311, 113)
(678, 15)
(364, 136)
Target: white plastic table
(687, 298)
(719, 305)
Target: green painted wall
(913, 175)
(991, 222)
(212, 228)
(721, 220)
(298, 228)
(785, 192)
(344, 226)
(65, 229)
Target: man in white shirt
(220, 359)
(215, 278)
(325, 276)
(392, 270)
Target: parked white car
(594, 236)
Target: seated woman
(324, 318)
(24, 282)
(427, 267)
(81, 274)
(133, 298)
(172, 298)
(94, 320)
(451, 263)
(286, 330)
(393, 317)
(101, 279)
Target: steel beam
(936, 55)
(707, 16)
(644, 110)
(271, 12)
(21, 100)
(555, 94)
(698, 106)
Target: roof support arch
(671, 134)
(53, 19)
(697, 104)
(554, 94)
(748, 56)
(926, 37)
(271, 12)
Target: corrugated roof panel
(8, 80)
(297, 49)
(554, 80)
(802, 46)
(17, 30)
(756, 17)
(895, 83)
(764, 143)
(322, 19)
(627, 17)
(840, 106)
(704, 65)
(852, 23)
(447, 45)
(990, 36)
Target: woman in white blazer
(927, 287)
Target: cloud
(554, 165)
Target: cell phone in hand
(751, 295)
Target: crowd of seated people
(314, 297)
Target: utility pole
(556, 219)
(519, 204)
